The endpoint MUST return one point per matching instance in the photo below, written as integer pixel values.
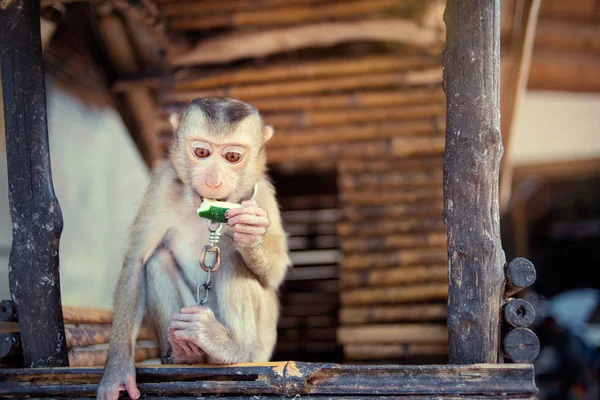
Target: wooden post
(36, 216)
(471, 165)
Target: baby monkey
(218, 152)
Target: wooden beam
(514, 85)
(235, 46)
(35, 212)
(285, 15)
(569, 36)
(290, 379)
(146, 13)
(471, 166)
(567, 71)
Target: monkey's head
(219, 148)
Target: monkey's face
(216, 156)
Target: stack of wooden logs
(394, 275)
(87, 332)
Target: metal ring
(217, 264)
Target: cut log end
(520, 273)
(519, 313)
(8, 312)
(521, 345)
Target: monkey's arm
(119, 372)
(260, 238)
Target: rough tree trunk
(35, 212)
(471, 166)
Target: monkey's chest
(188, 251)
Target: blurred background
(354, 91)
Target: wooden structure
(471, 166)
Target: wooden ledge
(288, 379)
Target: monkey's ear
(268, 132)
(174, 121)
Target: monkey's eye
(201, 152)
(233, 157)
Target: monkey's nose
(213, 183)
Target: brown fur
(161, 268)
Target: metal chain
(212, 248)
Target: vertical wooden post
(471, 166)
(35, 212)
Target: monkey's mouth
(197, 198)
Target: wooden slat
(354, 244)
(395, 276)
(387, 226)
(340, 66)
(357, 315)
(87, 315)
(235, 46)
(575, 72)
(289, 379)
(395, 294)
(284, 15)
(313, 86)
(364, 213)
(569, 36)
(392, 351)
(396, 333)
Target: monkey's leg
(198, 325)
(167, 293)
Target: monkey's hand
(249, 224)
(188, 333)
(117, 377)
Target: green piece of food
(215, 210)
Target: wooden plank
(234, 46)
(393, 313)
(567, 71)
(285, 15)
(392, 242)
(396, 333)
(313, 86)
(376, 352)
(289, 379)
(200, 79)
(395, 294)
(87, 315)
(379, 260)
(387, 227)
(569, 36)
(35, 212)
(471, 166)
(395, 276)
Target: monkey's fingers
(247, 239)
(249, 219)
(131, 387)
(250, 230)
(246, 208)
(187, 317)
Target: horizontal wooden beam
(285, 15)
(567, 71)
(234, 46)
(358, 315)
(567, 36)
(414, 293)
(287, 379)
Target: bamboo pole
(389, 197)
(378, 165)
(327, 101)
(352, 133)
(394, 258)
(357, 244)
(316, 118)
(283, 15)
(397, 333)
(392, 313)
(391, 179)
(341, 66)
(395, 276)
(92, 358)
(399, 146)
(365, 213)
(366, 352)
(395, 294)
(234, 46)
(87, 315)
(313, 86)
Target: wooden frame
(476, 260)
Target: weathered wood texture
(36, 216)
(518, 313)
(87, 315)
(288, 379)
(520, 273)
(521, 345)
(471, 166)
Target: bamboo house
(398, 270)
